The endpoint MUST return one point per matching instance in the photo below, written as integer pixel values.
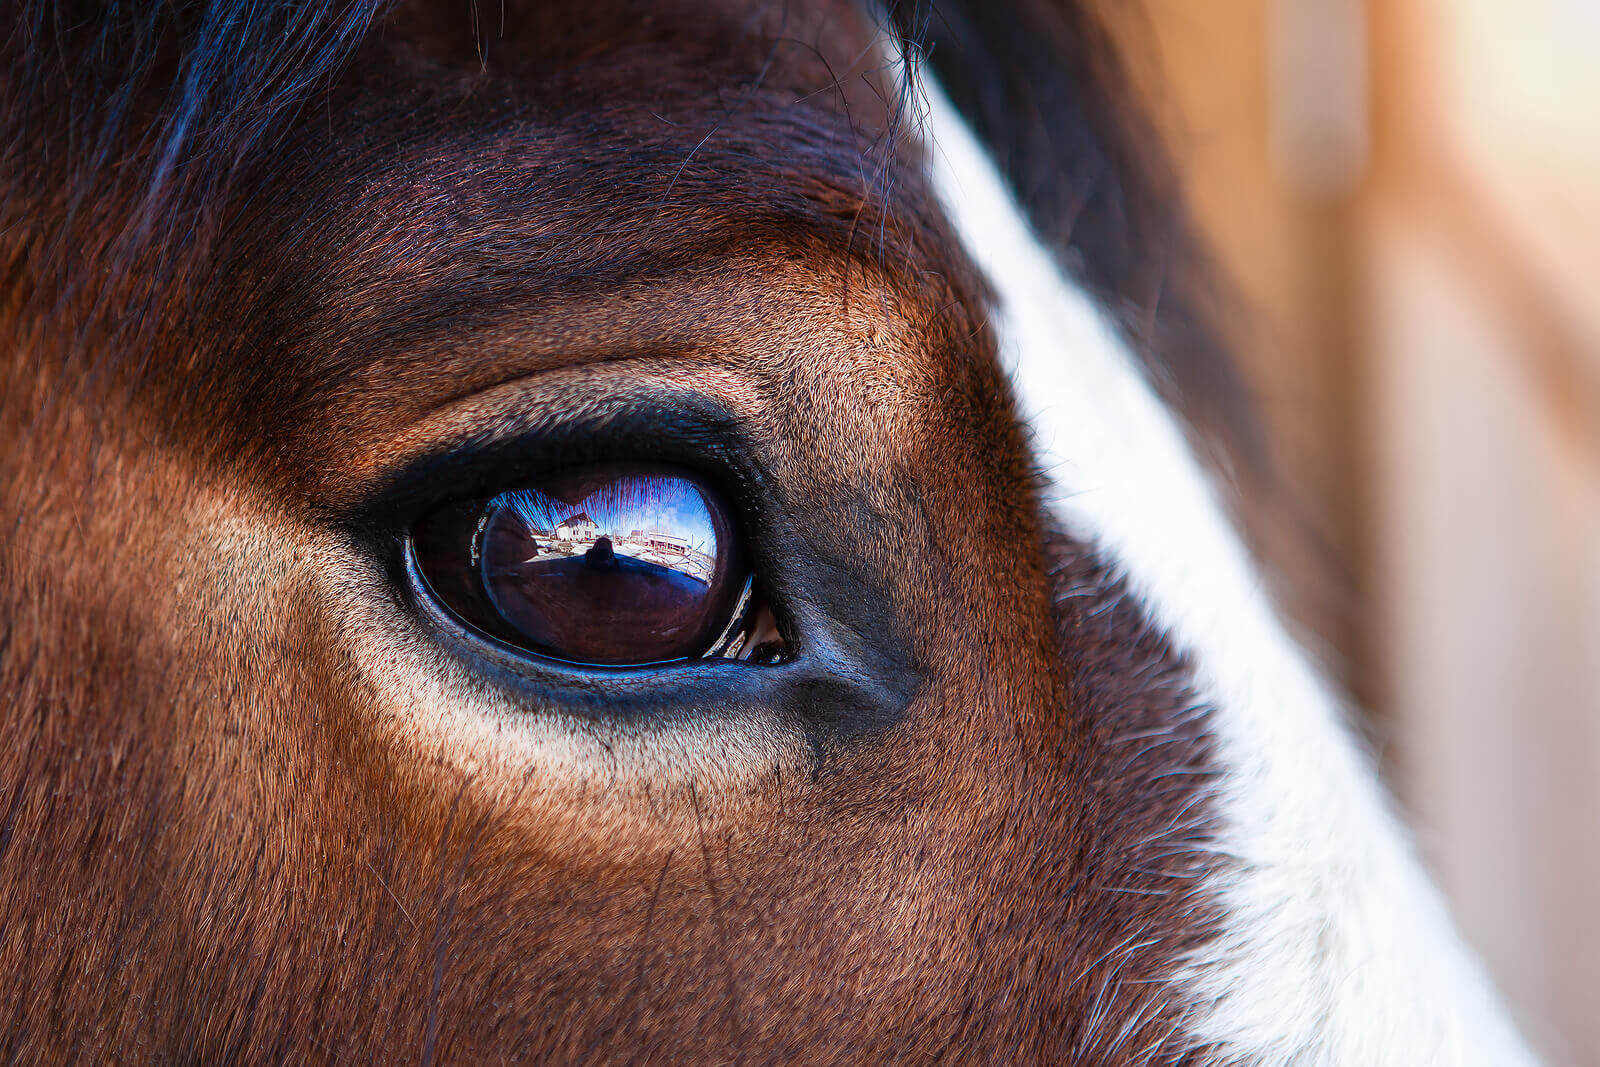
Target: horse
(651, 531)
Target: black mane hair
(124, 125)
(160, 101)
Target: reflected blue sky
(619, 506)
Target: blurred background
(1407, 195)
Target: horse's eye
(608, 565)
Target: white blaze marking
(1336, 948)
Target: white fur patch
(1336, 948)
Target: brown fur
(235, 824)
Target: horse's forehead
(589, 209)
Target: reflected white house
(579, 527)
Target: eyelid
(684, 429)
(491, 720)
(373, 457)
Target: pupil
(610, 566)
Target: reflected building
(579, 527)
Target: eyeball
(607, 565)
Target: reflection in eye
(609, 565)
(609, 570)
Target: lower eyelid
(524, 749)
(458, 707)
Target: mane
(132, 118)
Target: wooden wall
(1407, 193)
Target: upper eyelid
(374, 451)
(492, 438)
